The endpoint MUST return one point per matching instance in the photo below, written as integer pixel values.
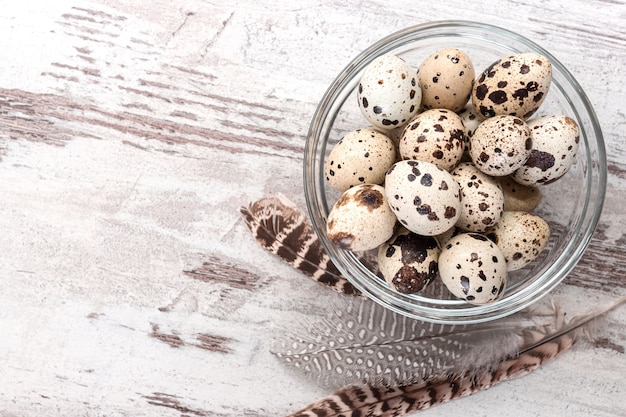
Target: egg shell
(425, 198)
(518, 197)
(555, 141)
(446, 78)
(521, 236)
(473, 268)
(514, 85)
(471, 121)
(389, 94)
(408, 261)
(482, 199)
(435, 136)
(500, 145)
(361, 219)
(362, 156)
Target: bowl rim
(324, 114)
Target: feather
(538, 346)
(279, 226)
(364, 342)
(389, 365)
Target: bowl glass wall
(572, 205)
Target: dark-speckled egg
(425, 198)
(408, 261)
(500, 145)
(482, 199)
(521, 236)
(555, 144)
(361, 219)
(515, 85)
(389, 94)
(473, 268)
(362, 156)
(446, 78)
(435, 136)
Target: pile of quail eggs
(444, 180)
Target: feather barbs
(364, 342)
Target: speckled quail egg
(435, 136)
(470, 120)
(446, 78)
(482, 199)
(500, 145)
(425, 198)
(362, 156)
(408, 261)
(389, 94)
(521, 236)
(514, 85)
(554, 145)
(518, 197)
(361, 219)
(473, 268)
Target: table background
(131, 133)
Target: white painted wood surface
(130, 134)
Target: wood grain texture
(132, 132)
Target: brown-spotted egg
(555, 143)
(425, 198)
(473, 268)
(362, 156)
(500, 145)
(515, 85)
(434, 136)
(482, 199)
(408, 261)
(521, 236)
(446, 78)
(389, 94)
(361, 219)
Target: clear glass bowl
(571, 205)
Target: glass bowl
(571, 205)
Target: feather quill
(280, 227)
(539, 346)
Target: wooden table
(132, 132)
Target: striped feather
(279, 226)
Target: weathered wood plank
(130, 135)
